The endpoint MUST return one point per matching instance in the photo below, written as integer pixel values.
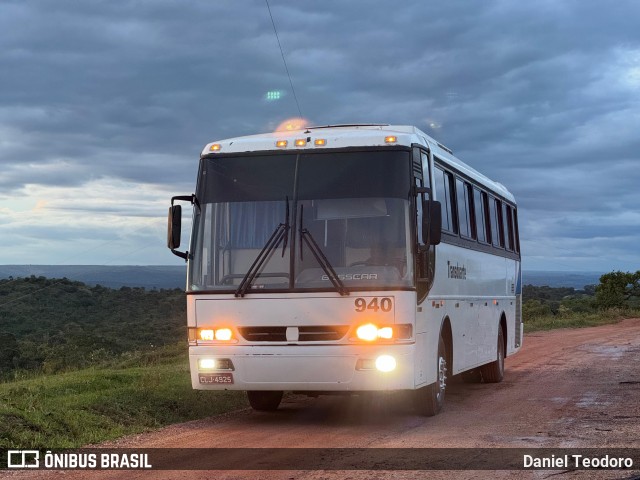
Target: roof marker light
(281, 143)
(320, 142)
(215, 147)
(300, 142)
(390, 139)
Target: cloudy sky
(105, 106)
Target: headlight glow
(385, 332)
(206, 363)
(368, 332)
(224, 334)
(206, 334)
(385, 363)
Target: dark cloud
(543, 97)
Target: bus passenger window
(441, 195)
(479, 205)
(463, 214)
(508, 226)
(500, 223)
(495, 230)
(451, 201)
(468, 193)
(517, 234)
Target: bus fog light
(385, 363)
(206, 364)
(215, 364)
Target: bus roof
(352, 135)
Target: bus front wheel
(267, 401)
(429, 400)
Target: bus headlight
(385, 363)
(368, 332)
(224, 334)
(205, 334)
(385, 332)
(209, 334)
(397, 333)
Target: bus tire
(266, 401)
(494, 372)
(429, 400)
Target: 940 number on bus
(374, 304)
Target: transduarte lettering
(456, 271)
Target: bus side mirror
(432, 222)
(174, 226)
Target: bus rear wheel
(494, 372)
(429, 400)
(264, 401)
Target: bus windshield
(353, 205)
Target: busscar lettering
(353, 276)
(456, 271)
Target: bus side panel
(470, 289)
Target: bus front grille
(322, 333)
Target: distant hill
(169, 276)
(149, 276)
(576, 280)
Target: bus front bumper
(302, 368)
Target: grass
(577, 320)
(89, 406)
(143, 391)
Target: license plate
(215, 378)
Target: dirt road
(566, 388)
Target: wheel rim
(442, 377)
(500, 353)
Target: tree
(9, 351)
(616, 289)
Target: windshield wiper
(306, 237)
(281, 232)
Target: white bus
(347, 258)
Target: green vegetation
(86, 364)
(72, 409)
(51, 326)
(616, 297)
(619, 290)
